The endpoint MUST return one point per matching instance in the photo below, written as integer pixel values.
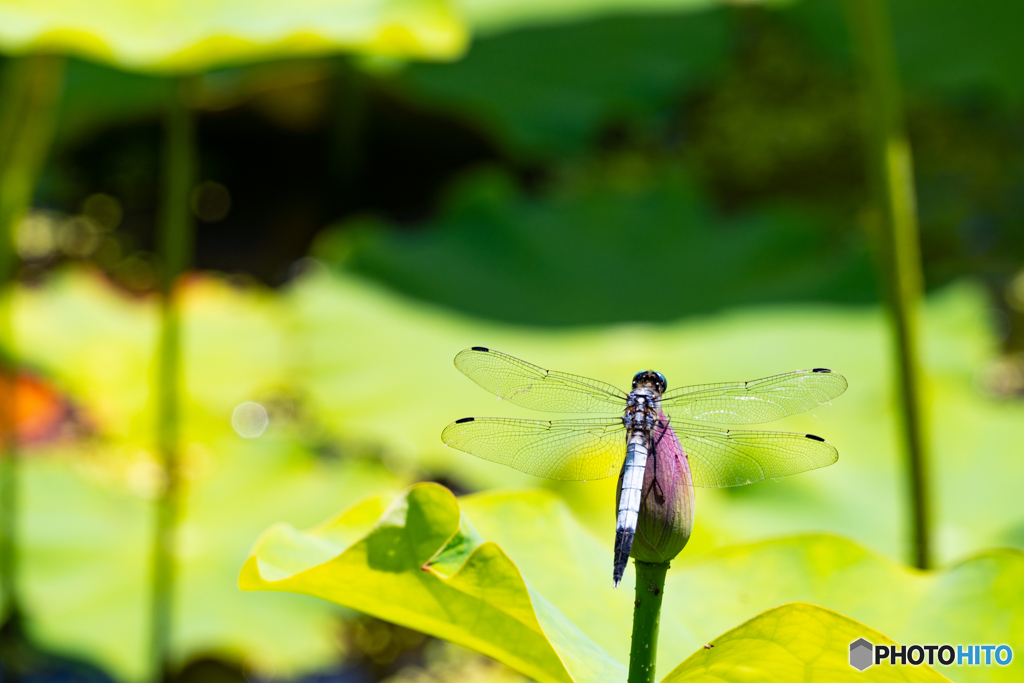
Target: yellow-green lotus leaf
(794, 642)
(553, 615)
(423, 566)
(980, 600)
(86, 555)
(193, 35)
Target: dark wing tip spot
(465, 419)
(485, 349)
(821, 370)
(809, 436)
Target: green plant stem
(175, 247)
(650, 589)
(898, 244)
(29, 101)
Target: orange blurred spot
(39, 410)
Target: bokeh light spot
(35, 237)
(79, 236)
(136, 273)
(250, 419)
(211, 201)
(103, 209)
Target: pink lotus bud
(666, 501)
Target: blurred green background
(591, 187)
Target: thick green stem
(175, 246)
(650, 588)
(898, 245)
(29, 101)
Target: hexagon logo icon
(861, 654)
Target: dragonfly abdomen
(637, 449)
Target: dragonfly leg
(656, 485)
(654, 452)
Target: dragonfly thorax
(641, 409)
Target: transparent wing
(530, 386)
(756, 401)
(569, 450)
(730, 457)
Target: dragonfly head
(651, 379)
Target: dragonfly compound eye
(650, 378)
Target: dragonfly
(622, 441)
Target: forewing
(756, 401)
(732, 457)
(568, 450)
(531, 386)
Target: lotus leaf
(170, 35)
(980, 600)
(425, 565)
(794, 642)
(87, 562)
(542, 99)
(422, 567)
(362, 360)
